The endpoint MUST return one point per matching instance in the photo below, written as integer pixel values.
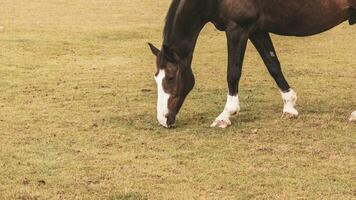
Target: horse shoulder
(238, 12)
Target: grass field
(77, 111)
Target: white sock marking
(232, 107)
(162, 99)
(290, 99)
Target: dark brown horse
(241, 20)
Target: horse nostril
(171, 120)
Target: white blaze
(162, 99)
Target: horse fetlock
(289, 99)
(289, 113)
(233, 112)
(232, 104)
(232, 108)
(222, 121)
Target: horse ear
(154, 50)
(170, 55)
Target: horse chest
(231, 13)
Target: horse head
(174, 80)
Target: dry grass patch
(77, 117)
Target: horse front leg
(264, 45)
(237, 42)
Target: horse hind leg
(264, 45)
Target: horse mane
(170, 18)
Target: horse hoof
(353, 117)
(220, 124)
(289, 115)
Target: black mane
(170, 20)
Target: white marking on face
(162, 99)
(290, 99)
(232, 107)
(272, 54)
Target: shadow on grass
(135, 121)
(140, 121)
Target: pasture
(78, 121)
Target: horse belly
(310, 19)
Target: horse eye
(170, 80)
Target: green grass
(77, 111)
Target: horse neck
(189, 20)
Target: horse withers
(242, 20)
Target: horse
(241, 20)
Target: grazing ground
(77, 111)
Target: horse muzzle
(171, 120)
(167, 121)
